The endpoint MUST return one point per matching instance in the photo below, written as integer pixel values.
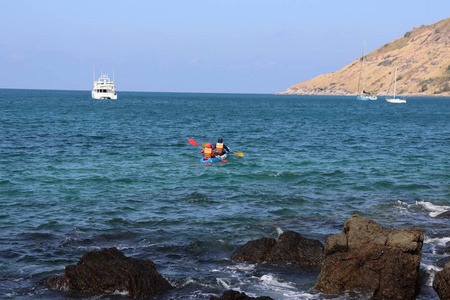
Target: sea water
(78, 174)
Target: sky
(245, 46)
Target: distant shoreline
(354, 95)
(277, 93)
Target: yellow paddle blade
(204, 144)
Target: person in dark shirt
(220, 148)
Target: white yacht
(104, 88)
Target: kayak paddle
(238, 153)
(193, 143)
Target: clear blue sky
(245, 46)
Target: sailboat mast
(395, 81)
(361, 75)
(363, 65)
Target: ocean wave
(437, 241)
(245, 267)
(431, 270)
(38, 236)
(283, 212)
(224, 282)
(437, 244)
(5, 181)
(434, 210)
(118, 236)
(183, 283)
(197, 197)
(282, 174)
(271, 281)
(289, 290)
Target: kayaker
(220, 148)
(208, 152)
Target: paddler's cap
(220, 140)
(208, 145)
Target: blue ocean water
(78, 174)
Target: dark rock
(441, 283)
(442, 250)
(444, 215)
(368, 258)
(254, 251)
(291, 247)
(108, 271)
(443, 261)
(235, 295)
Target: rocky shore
(332, 91)
(364, 259)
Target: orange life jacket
(207, 153)
(219, 148)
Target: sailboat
(394, 99)
(363, 95)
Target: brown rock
(443, 261)
(369, 258)
(441, 283)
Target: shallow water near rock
(78, 174)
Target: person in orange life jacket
(208, 152)
(220, 148)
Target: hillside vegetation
(422, 57)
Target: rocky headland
(422, 57)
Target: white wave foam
(223, 283)
(437, 241)
(123, 293)
(287, 289)
(433, 242)
(299, 296)
(405, 208)
(433, 209)
(431, 270)
(399, 202)
(10, 295)
(279, 231)
(243, 267)
(272, 282)
(187, 281)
